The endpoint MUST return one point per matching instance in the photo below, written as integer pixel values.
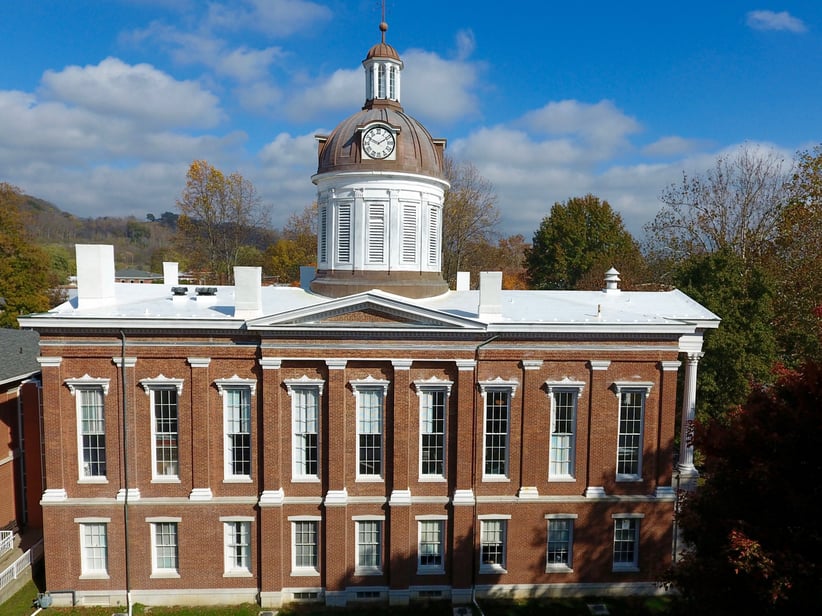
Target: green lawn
(20, 605)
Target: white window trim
(235, 382)
(150, 386)
(291, 386)
(560, 567)
(495, 567)
(358, 386)
(87, 573)
(423, 387)
(497, 384)
(632, 566)
(229, 569)
(553, 387)
(157, 572)
(368, 571)
(304, 571)
(619, 387)
(431, 569)
(88, 383)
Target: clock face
(378, 142)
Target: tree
(24, 266)
(297, 246)
(743, 349)
(470, 216)
(796, 261)
(733, 206)
(580, 236)
(218, 215)
(752, 527)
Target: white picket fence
(13, 571)
(6, 541)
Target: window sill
(492, 569)
(239, 573)
(562, 479)
(628, 479)
(95, 576)
(305, 479)
(165, 480)
(558, 569)
(305, 573)
(496, 479)
(625, 569)
(367, 571)
(93, 480)
(432, 479)
(237, 479)
(167, 575)
(370, 479)
(430, 570)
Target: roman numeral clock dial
(378, 142)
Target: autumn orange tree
(24, 267)
(296, 246)
(219, 215)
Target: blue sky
(105, 103)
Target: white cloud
(770, 20)
(343, 90)
(246, 65)
(272, 17)
(671, 146)
(439, 89)
(139, 92)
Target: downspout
(474, 477)
(125, 469)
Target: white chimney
(95, 275)
(463, 281)
(611, 281)
(490, 296)
(170, 273)
(248, 292)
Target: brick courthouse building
(372, 435)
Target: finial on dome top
(383, 23)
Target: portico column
(687, 471)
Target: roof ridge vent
(611, 281)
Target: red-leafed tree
(752, 528)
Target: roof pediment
(373, 310)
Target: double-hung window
(433, 395)
(163, 394)
(626, 542)
(237, 533)
(431, 544)
(236, 394)
(305, 428)
(562, 446)
(497, 427)
(305, 533)
(493, 537)
(368, 545)
(370, 427)
(94, 547)
(560, 542)
(164, 547)
(91, 426)
(630, 431)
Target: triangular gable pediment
(364, 311)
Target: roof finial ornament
(383, 24)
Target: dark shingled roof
(19, 350)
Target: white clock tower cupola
(382, 72)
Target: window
(375, 245)
(497, 395)
(91, 426)
(562, 447)
(94, 549)
(629, 438)
(164, 559)
(369, 547)
(237, 546)
(305, 542)
(370, 407)
(560, 542)
(430, 547)
(163, 394)
(92, 433)
(433, 396)
(305, 425)
(626, 542)
(492, 545)
(237, 412)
